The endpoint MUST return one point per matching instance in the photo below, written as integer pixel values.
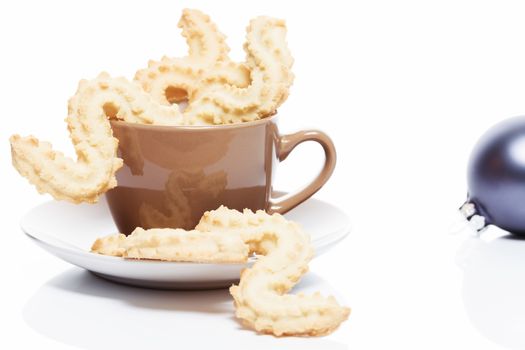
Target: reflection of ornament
(496, 178)
(493, 288)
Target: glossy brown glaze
(172, 175)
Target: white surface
(405, 88)
(68, 231)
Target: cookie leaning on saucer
(261, 299)
(174, 245)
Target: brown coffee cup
(172, 175)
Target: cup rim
(197, 127)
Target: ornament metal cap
(476, 221)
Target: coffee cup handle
(285, 145)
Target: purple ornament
(496, 178)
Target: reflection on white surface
(494, 288)
(80, 309)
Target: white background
(405, 88)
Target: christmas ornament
(496, 178)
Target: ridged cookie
(174, 245)
(261, 298)
(173, 79)
(93, 173)
(269, 62)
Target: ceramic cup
(172, 175)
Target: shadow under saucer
(80, 309)
(494, 288)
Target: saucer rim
(321, 244)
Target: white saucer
(68, 231)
